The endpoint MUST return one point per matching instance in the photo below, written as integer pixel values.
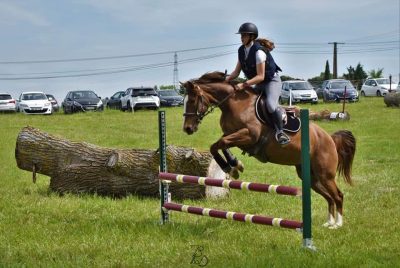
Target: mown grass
(40, 228)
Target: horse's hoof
(328, 224)
(333, 227)
(240, 166)
(234, 173)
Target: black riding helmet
(249, 28)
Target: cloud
(11, 14)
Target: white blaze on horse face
(185, 100)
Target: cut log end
(392, 99)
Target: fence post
(306, 179)
(164, 192)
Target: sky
(108, 46)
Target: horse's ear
(187, 85)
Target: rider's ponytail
(268, 44)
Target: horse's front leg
(235, 164)
(231, 165)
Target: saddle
(291, 123)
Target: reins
(200, 115)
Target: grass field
(41, 229)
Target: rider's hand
(240, 86)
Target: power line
(113, 57)
(122, 70)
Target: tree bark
(392, 99)
(79, 167)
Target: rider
(261, 71)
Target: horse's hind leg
(337, 195)
(319, 188)
(236, 164)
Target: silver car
(34, 103)
(377, 87)
(296, 91)
(139, 97)
(7, 103)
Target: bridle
(202, 112)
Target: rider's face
(245, 38)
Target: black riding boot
(280, 136)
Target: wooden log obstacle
(305, 193)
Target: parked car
(139, 97)
(334, 90)
(81, 101)
(54, 102)
(298, 91)
(34, 102)
(377, 87)
(115, 100)
(170, 98)
(7, 103)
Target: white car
(377, 87)
(34, 103)
(7, 103)
(139, 97)
(298, 91)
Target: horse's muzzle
(189, 130)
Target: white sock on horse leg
(330, 222)
(339, 219)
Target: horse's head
(195, 106)
(202, 96)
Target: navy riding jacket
(249, 65)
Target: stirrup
(282, 138)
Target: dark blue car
(170, 98)
(81, 101)
(339, 90)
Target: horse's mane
(211, 77)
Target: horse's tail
(346, 148)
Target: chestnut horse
(241, 128)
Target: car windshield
(5, 97)
(341, 85)
(84, 95)
(300, 86)
(383, 81)
(34, 96)
(166, 93)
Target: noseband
(201, 113)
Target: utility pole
(176, 79)
(335, 57)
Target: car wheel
(378, 94)
(363, 93)
(129, 107)
(280, 101)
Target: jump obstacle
(305, 193)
